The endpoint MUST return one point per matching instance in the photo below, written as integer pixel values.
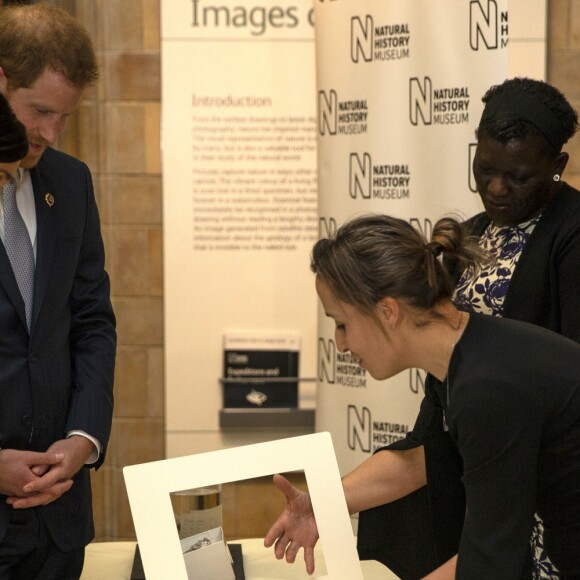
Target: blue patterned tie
(18, 248)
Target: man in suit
(57, 349)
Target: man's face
(43, 109)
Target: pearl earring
(556, 177)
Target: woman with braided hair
(506, 392)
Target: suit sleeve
(92, 334)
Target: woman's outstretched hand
(295, 528)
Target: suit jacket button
(33, 357)
(26, 420)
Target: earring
(556, 177)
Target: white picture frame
(149, 486)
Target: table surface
(114, 561)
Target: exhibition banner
(239, 199)
(399, 87)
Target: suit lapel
(44, 199)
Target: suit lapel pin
(49, 199)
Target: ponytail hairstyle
(375, 256)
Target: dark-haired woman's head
(13, 139)
(519, 161)
(520, 107)
(375, 256)
(13, 142)
(378, 278)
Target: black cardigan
(545, 285)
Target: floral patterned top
(485, 293)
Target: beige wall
(118, 133)
(564, 67)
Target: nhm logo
(360, 174)
(361, 39)
(359, 430)
(488, 27)
(327, 361)
(327, 112)
(420, 101)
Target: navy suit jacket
(59, 377)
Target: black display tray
(137, 572)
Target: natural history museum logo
(370, 42)
(432, 105)
(367, 433)
(339, 368)
(378, 181)
(341, 117)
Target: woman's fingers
(309, 559)
(280, 547)
(292, 551)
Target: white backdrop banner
(399, 97)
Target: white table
(114, 561)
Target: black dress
(513, 417)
